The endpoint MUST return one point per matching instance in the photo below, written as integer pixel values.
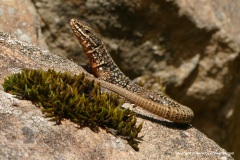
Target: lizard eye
(87, 31)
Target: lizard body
(112, 78)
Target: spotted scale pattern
(104, 68)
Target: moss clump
(61, 95)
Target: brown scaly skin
(111, 77)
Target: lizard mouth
(73, 23)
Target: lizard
(109, 76)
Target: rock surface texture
(191, 45)
(26, 134)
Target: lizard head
(85, 35)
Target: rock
(19, 18)
(26, 134)
(193, 46)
